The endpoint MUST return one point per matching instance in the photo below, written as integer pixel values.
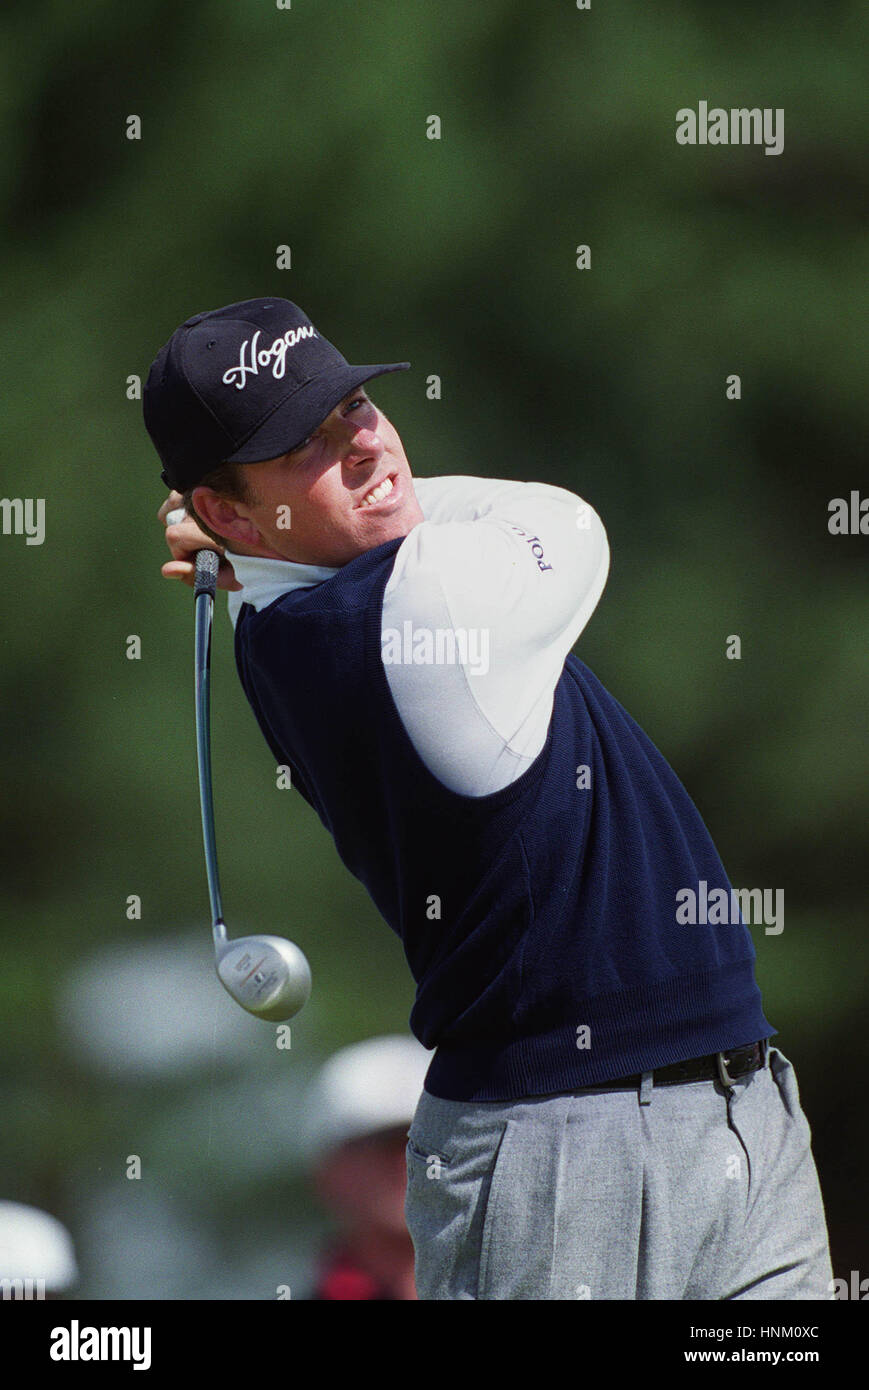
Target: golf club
(267, 975)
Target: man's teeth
(378, 493)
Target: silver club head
(267, 975)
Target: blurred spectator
(37, 1259)
(358, 1112)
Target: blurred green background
(307, 127)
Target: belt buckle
(723, 1075)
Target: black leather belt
(725, 1067)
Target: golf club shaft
(207, 563)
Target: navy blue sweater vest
(539, 922)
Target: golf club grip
(207, 565)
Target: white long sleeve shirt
(486, 598)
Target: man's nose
(363, 444)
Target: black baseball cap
(241, 384)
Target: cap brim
(299, 414)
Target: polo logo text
(536, 547)
(249, 365)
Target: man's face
(324, 483)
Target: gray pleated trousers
(690, 1191)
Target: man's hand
(184, 538)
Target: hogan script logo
(251, 360)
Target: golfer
(603, 1116)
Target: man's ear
(220, 514)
